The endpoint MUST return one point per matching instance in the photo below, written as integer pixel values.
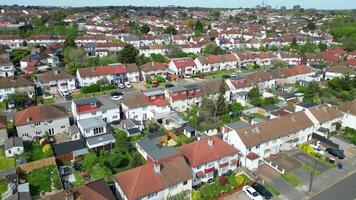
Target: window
(114, 117)
(93, 113)
(62, 127)
(38, 132)
(152, 195)
(37, 123)
(153, 97)
(50, 121)
(103, 112)
(185, 182)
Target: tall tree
(128, 54)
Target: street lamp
(312, 173)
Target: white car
(121, 86)
(128, 84)
(252, 193)
(116, 98)
(64, 93)
(317, 149)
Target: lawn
(3, 187)
(33, 151)
(273, 190)
(310, 168)
(42, 180)
(183, 139)
(5, 163)
(291, 178)
(101, 93)
(349, 134)
(79, 179)
(219, 73)
(48, 101)
(2, 105)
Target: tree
(322, 46)
(254, 93)
(311, 26)
(176, 52)
(90, 160)
(198, 28)
(196, 195)
(136, 160)
(144, 29)
(69, 43)
(157, 57)
(190, 23)
(212, 48)
(235, 109)
(128, 54)
(20, 99)
(279, 64)
(171, 30)
(47, 150)
(99, 171)
(74, 55)
(122, 140)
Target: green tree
(128, 54)
(198, 28)
(322, 46)
(144, 29)
(20, 99)
(157, 57)
(90, 160)
(171, 30)
(74, 55)
(136, 160)
(176, 52)
(311, 26)
(69, 43)
(99, 171)
(236, 109)
(122, 141)
(212, 48)
(279, 64)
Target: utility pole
(312, 173)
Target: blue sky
(320, 4)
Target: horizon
(308, 4)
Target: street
(343, 190)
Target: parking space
(309, 160)
(237, 195)
(285, 162)
(266, 173)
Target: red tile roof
(3, 121)
(102, 70)
(141, 181)
(252, 156)
(199, 152)
(38, 114)
(184, 62)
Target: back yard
(5, 163)
(35, 151)
(44, 179)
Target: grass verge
(291, 178)
(273, 190)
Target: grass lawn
(220, 73)
(291, 178)
(79, 179)
(6, 163)
(33, 151)
(273, 190)
(2, 105)
(310, 168)
(48, 101)
(41, 179)
(101, 93)
(3, 187)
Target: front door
(51, 131)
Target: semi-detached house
(182, 67)
(209, 156)
(212, 63)
(10, 85)
(37, 121)
(155, 180)
(182, 97)
(56, 80)
(349, 109)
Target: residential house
(182, 67)
(6, 68)
(10, 85)
(182, 97)
(209, 156)
(103, 107)
(37, 121)
(152, 69)
(155, 180)
(339, 71)
(349, 110)
(290, 58)
(56, 80)
(3, 129)
(132, 127)
(133, 73)
(13, 146)
(212, 63)
(144, 105)
(268, 137)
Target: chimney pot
(157, 167)
(210, 142)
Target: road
(343, 190)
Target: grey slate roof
(67, 147)
(13, 142)
(270, 108)
(307, 104)
(154, 151)
(92, 122)
(189, 128)
(99, 139)
(238, 125)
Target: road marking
(348, 175)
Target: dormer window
(92, 105)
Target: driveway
(310, 160)
(285, 162)
(266, 173)
(237, 195)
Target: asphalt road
(343, 190)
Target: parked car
(169, 85)
(317, 148)
(228, 173)
(128, 84)
(252, 193)
(116, 96)
(120, 85)
(68, 97)
(262, 190)
(330, 160)
(336, 152)
(64, 93)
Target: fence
(281, 171)
(28, 167)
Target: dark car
(336, 152)
(262, 190)
(68, 97)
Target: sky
(318, 4)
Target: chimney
(29, 119)
(56, 72)
(210, 142)
(157, 167)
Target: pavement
(344, 189)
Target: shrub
(223, 180)
(159, 79)
(239, 180)
(306, 148)
(47, 149)
(196, 195)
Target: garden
(222, 184)
(3, 187)
(348, 134)
(45, 179)
(291, 178)
(307, 149)
(5, 163)
(37, 150)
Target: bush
(160, 79)
(306, 148)
(223, 180)
(91, 88)
(239, 180)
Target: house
(208, 157)
(152, 69)
(56, 80)
(13, 146)
(155, 180)
(132, 127)
(349, 110)
(182, 67)
(212, 63)
(113, 74)
(268, 137)
(189, 131)
(10, 85)
(71, 150)
(339, 71)
(6, 68)
(290, 58)
(182, 97)
(3, 129)
(97, 190)
(133, 73)
(144, 105)
(37, 121)
(103, 107)
(153, 151)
